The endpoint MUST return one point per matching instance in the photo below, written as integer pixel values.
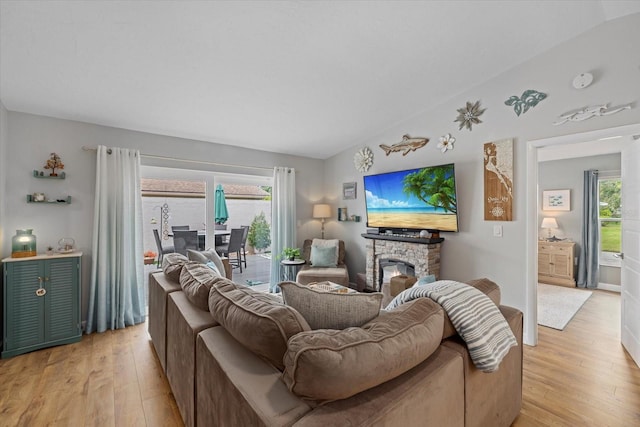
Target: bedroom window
(610, 220)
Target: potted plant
(149, 257)
(290, 253)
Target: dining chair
(185, 239)
(245, 233)
(175, 228)
(161, 249)
(234, 246)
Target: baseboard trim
(609, 287)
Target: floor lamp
(321, 212)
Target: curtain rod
(176, 159)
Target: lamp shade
(549, 223)
(321, 211)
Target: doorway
(185, 197)
(598, 139)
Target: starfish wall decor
(468, 115)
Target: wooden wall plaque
(498, 180)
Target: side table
(289, 269)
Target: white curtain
(283, 218)
(116, 294)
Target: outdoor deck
(257, 272)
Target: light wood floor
(578, 377)
(108, 379)
(582, 376)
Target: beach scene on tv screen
(423, 198)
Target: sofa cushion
(258, 320)
(327, 365)
(324, 256)
(328, 310)
(172, 265)
(207, 256)
(196, 279)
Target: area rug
(557, 304)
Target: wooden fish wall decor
(406, 145)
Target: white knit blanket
(475, 317)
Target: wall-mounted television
(413, 199)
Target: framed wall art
(556, 200)
(349, 190)
(498, 180)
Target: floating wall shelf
(66, 201)
(36, 174)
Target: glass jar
(23, 244)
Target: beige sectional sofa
(250, 360)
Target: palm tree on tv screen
(434, 186)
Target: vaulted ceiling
(299, 77)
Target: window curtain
(116, 293)
(588, 264)
(283, 218)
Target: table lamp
(322, 211)
(549, 223)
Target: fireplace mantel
(403, 238)
(424, 254)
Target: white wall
(608, 51)
(31, 138)
(4, 141)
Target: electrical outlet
(497, 231)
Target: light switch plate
(497, 231)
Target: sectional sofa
(238, 357)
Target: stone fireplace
(422, 254)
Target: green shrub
(259, 232)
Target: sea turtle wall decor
(529, 99)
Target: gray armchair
(309, 274)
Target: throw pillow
(425, 280)
(329, 243)
(172, 265)
(206, 256)
(328, 310)
(214, 267)
(196, 280)
(257, 320)
(323, 256)
(327, 365)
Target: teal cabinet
(41, 301)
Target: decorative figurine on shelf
(54, 163)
